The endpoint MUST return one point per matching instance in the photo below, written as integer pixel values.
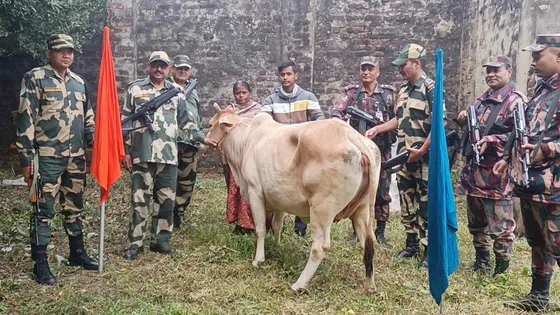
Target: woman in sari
(238, 211)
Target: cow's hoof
(371, 287)
(297, 288)
(258, 263)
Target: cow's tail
(371, 162)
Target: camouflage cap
(60, 41)
(543, 41)
(181, 61)
(410, 51)
(368, 60)
(498, 61)
(159, 56)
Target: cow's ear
(226, 121)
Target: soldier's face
(158, 71)
(410, 69)
(181, 73)
(61, 58)
(288, 77)
(497, 77)
(369, 73)
(546, 62)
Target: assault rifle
(474, 133)
(394, 165)
(522, 137)
(365, 120)
(147, 110)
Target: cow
(321, 171)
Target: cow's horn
(217, 107)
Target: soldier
(378, 100)
(413, 121)
(291, 104)
(54, 125)
(188, 148)
(489, 196)
(540, 202)
(152, 157)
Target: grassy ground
(211, 272)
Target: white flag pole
(101, 238)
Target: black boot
(538, 300)
(380, 234)
(502, 265)
(424, 262)
(482, 260)
(78, 255)
(165, 249)
(412, 247)
(41, 271)
(133, 252)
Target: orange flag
(108, 149)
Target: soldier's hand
(462, 117)
(500, 167)
(127, 163)
(415, 154)
(26, 172)
(540, 154)
(483, 145)
(371, 133)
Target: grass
(211, 272)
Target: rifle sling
(547, 121)
(492, 118)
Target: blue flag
(443, 251)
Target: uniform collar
(148, 81)
(69, 74)
(376, 90)
(418, 83)
(498, 96)
(551, 83)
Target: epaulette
(351, 87)
(388, 87)
(134, 82)
(430, 84)
(523, 96)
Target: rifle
(35, 195)
(148, 109)
(522, 137)
(394, 165)
(474, 133)
(365, 120)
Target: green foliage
(26, 24)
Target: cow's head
(222, 123)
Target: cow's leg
(320, 226)
(277, 225)
(361, 218)
(259, 216)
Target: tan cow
(318, 170)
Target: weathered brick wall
(232, 40)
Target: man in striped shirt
(291, 104)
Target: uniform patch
(47, 90)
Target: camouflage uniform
(55, 122)
(540, 201)
(489, 196)
(380, 104)
(188, 148)
(414, 115)
(54, 126)
(154, 158)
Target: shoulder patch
(523, 96)
(388, 87)
(78, 77)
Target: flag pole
(101, 238)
